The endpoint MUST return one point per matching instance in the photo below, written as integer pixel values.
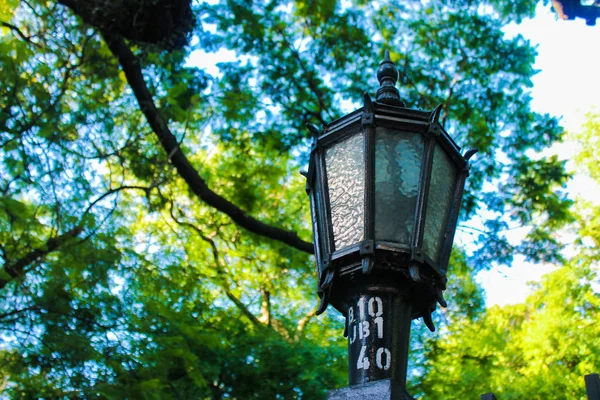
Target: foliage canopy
(154, 233)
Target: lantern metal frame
(428, 277)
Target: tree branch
(219, 268)
(168, 141)
(313, 86)
(304, 321)
(455, 81)
(265, 307)
(19, 33)
(18, 311)
(242, 307)
(17, 268)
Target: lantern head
(385, 184)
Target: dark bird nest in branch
(165, 23)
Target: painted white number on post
(363, 330)
(379, 322)
(375, 307)
(363, 361)
(372, 308)
(361, 308)
(352, 336)
(378, 358)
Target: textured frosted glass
(439, 202)
(398, 158)
(346, 180)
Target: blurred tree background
(154, 230)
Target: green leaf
(7, 10)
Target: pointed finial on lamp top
(387, 75)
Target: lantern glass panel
(439, 203)
(345, 166)
(398, 159)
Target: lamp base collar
(385, 389)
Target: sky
(566, 86)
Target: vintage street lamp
(385, 184)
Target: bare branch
(19, 33)
(242, 307)
(312, 85)
(453, 84)
(17, 268)
(113, 191)
(190, 175)
(265, 307)
(304, 321)
(219, 268)
(15, 312)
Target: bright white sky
(567, 86)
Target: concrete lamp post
(385, 184)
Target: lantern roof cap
(387, 75)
